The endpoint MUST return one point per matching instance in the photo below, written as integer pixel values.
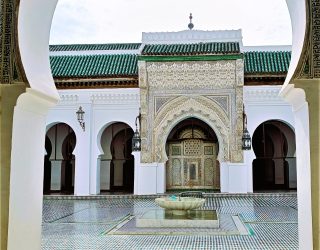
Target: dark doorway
(68, 163)
(59, 162)
(47, 167)
(274, 167)
(121, 158)
(117, 163)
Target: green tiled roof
(192, 49)
(94, 65)
(87, 66)
(266, 62)
(81, 47)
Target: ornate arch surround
(173, 113)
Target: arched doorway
(59, 163)
(47, 166)
(192, 149)
(117, 162)
(275, 165)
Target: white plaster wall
(102, 107)
(65, 112)
(262, 103)
(110, 106)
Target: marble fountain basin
(180, 205)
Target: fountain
(180, 205)
(181, 212)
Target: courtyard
(249, 221)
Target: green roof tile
(87, 66)
(266, 62)
(82, 47)
(192, 49)
(94, 65)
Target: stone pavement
(267, 221)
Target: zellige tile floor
(108, 222)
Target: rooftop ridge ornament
(190, 25)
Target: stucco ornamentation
(310, 67)
(117, 98)
(11, 69)
(188, 107)
(191, 75)
(66, 98)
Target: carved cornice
(262, 95)
(191, 36)
(68, 99)
(92, 83)
(115, 99)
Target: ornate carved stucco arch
(185, 107)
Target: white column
(161, 178)
(136, 155)
(82, 154)
(55, 176)
(249, 156)
(301, 115)
(26, 177)
(224, 177)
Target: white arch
(103, 128)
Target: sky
(263, 22)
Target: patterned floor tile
(81, 224)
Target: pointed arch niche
(116, 162)
(59, 160)
(184, 108)
(192, 148)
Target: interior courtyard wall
(32, 241)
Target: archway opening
(117, 162)
(275, 165)
(59, 160)
(192, 149)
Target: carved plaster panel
(310, 67)
(222, 101)
(190, 75)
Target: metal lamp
(136, 139)
(80, 115)
(246, 138)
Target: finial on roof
(190, 25)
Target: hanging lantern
(246, 140)
(80, 117)
(136, 141)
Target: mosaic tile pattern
(81, 224)
(227, 226)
